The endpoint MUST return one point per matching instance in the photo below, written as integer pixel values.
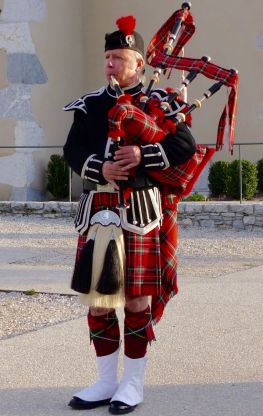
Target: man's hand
(126, 158)
(112, 172)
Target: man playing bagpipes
(127, 215)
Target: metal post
(240, 175)
(70, 184)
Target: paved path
(207, 361)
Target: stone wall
(222, 215)
(20, 71)
(210, 215)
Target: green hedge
(218, 178)
(224, 179)
(58, 177)
(249, 179)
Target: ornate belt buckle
(105, 217)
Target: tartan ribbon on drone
(157, 56)
(160, 38)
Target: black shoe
(120, 408)
(79, 404)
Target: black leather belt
(89, 186)
(142, 180)
(139, 182)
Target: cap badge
(130, 39)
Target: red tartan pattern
(160, 38)
(104, 332)
(136, 125)
(138, 331)
(214, 72)
(182, 178)
(168, 240)
(126, 119)
(150, 260)
(143, 269)
(155, 56)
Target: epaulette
(79, 103)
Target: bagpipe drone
(150, 120)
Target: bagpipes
(150, 119)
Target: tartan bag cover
(151, 262)
(182, 178)
(128, 121)
(125, 119)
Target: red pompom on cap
(126, 24)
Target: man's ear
(140, 64)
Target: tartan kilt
(150, 259)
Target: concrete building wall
(224, 30)
(60, 42)
(51, 51)
(42, 51)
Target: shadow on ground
(244, 399)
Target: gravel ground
(203, 253)
(20, 313)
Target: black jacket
(88, 146)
